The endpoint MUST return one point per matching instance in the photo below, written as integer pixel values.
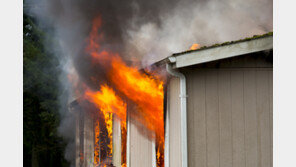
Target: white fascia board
(226, 51)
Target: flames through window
(123, 83)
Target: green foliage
(42, 146)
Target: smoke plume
(142, 31)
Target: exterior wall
(84, 140)
(116, 159)
(230, 118)
(173, 109)
(140, 148)
(229, 113)
(89, 141)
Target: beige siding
(212, 119)
(198, 153)
(230, 117)
(250, 118)
(116, 159)
(238, 119)
(140, 148)
(174, 123)
(264, 141)
(225, 118)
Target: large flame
(108, 101)
(145, 90)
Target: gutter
(183, 96)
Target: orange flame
(147, 93)
(98, 54)
(97, 146)
(195, 46)
(145, 90)
(123, 144)
(108, 103)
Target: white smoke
(206, 23)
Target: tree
(42, 145)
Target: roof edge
(225, 43)
(221, 51)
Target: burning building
(215, 109)
(126, 102)
(204, 107)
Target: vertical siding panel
(212, 119)
(250, 118)
(200, 120)
(149, 147)
(141, 160)
(191, 121)
(141, 153)
(147, 143)
(133, 145)
(174, 123)
(271, 115)
(237, 119)
(196, 100)
(116, 159)
(225, 119)
(263, 118)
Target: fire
(97, 146)
(147, 93)
(108, 103)
(98, 54)
(123, 144)
(195, 46)
(145, 90)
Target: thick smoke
(205, 23)
(143, 30)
